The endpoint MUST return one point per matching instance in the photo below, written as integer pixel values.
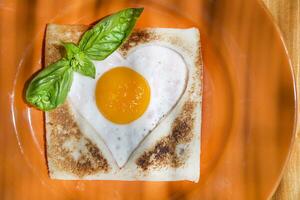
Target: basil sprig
(50, 87)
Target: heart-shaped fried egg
(130, 96)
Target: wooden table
(287, 15)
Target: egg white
(166, 73)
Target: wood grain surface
(254, 138)
(287, 16)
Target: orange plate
(248, 104)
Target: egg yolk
(122, 95)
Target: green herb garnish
(50, 87)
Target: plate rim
(279, 33)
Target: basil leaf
(108, 34)
(50, 87)
(82, 64)
(71, 50)
(79, 61)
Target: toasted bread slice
(170, 152)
